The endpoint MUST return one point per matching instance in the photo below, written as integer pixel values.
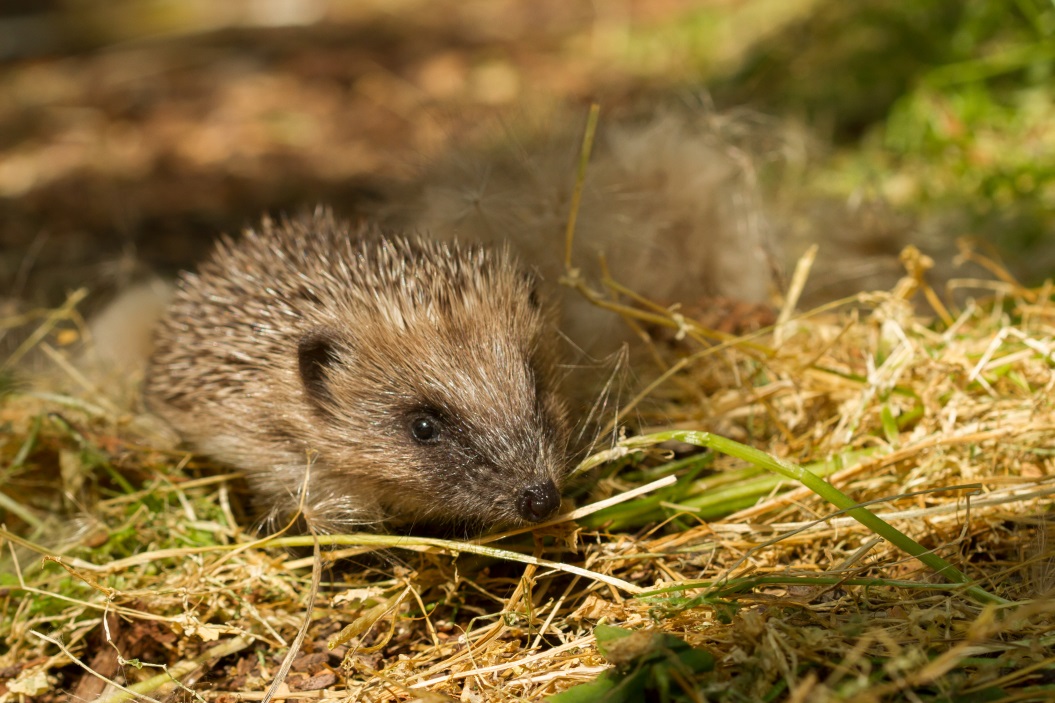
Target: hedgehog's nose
(538, 502)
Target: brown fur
(303, 352)
(669, 200)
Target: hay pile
(130, 569)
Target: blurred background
(133, 131)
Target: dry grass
(130, 565)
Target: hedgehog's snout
(538, 502)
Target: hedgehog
(367, 378)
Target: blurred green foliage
(980, 132)
(943, 106)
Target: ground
(133, 132)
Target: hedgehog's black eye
(425, 428)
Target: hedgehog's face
(441, 422)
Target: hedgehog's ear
(316, 355)
(531, 278)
